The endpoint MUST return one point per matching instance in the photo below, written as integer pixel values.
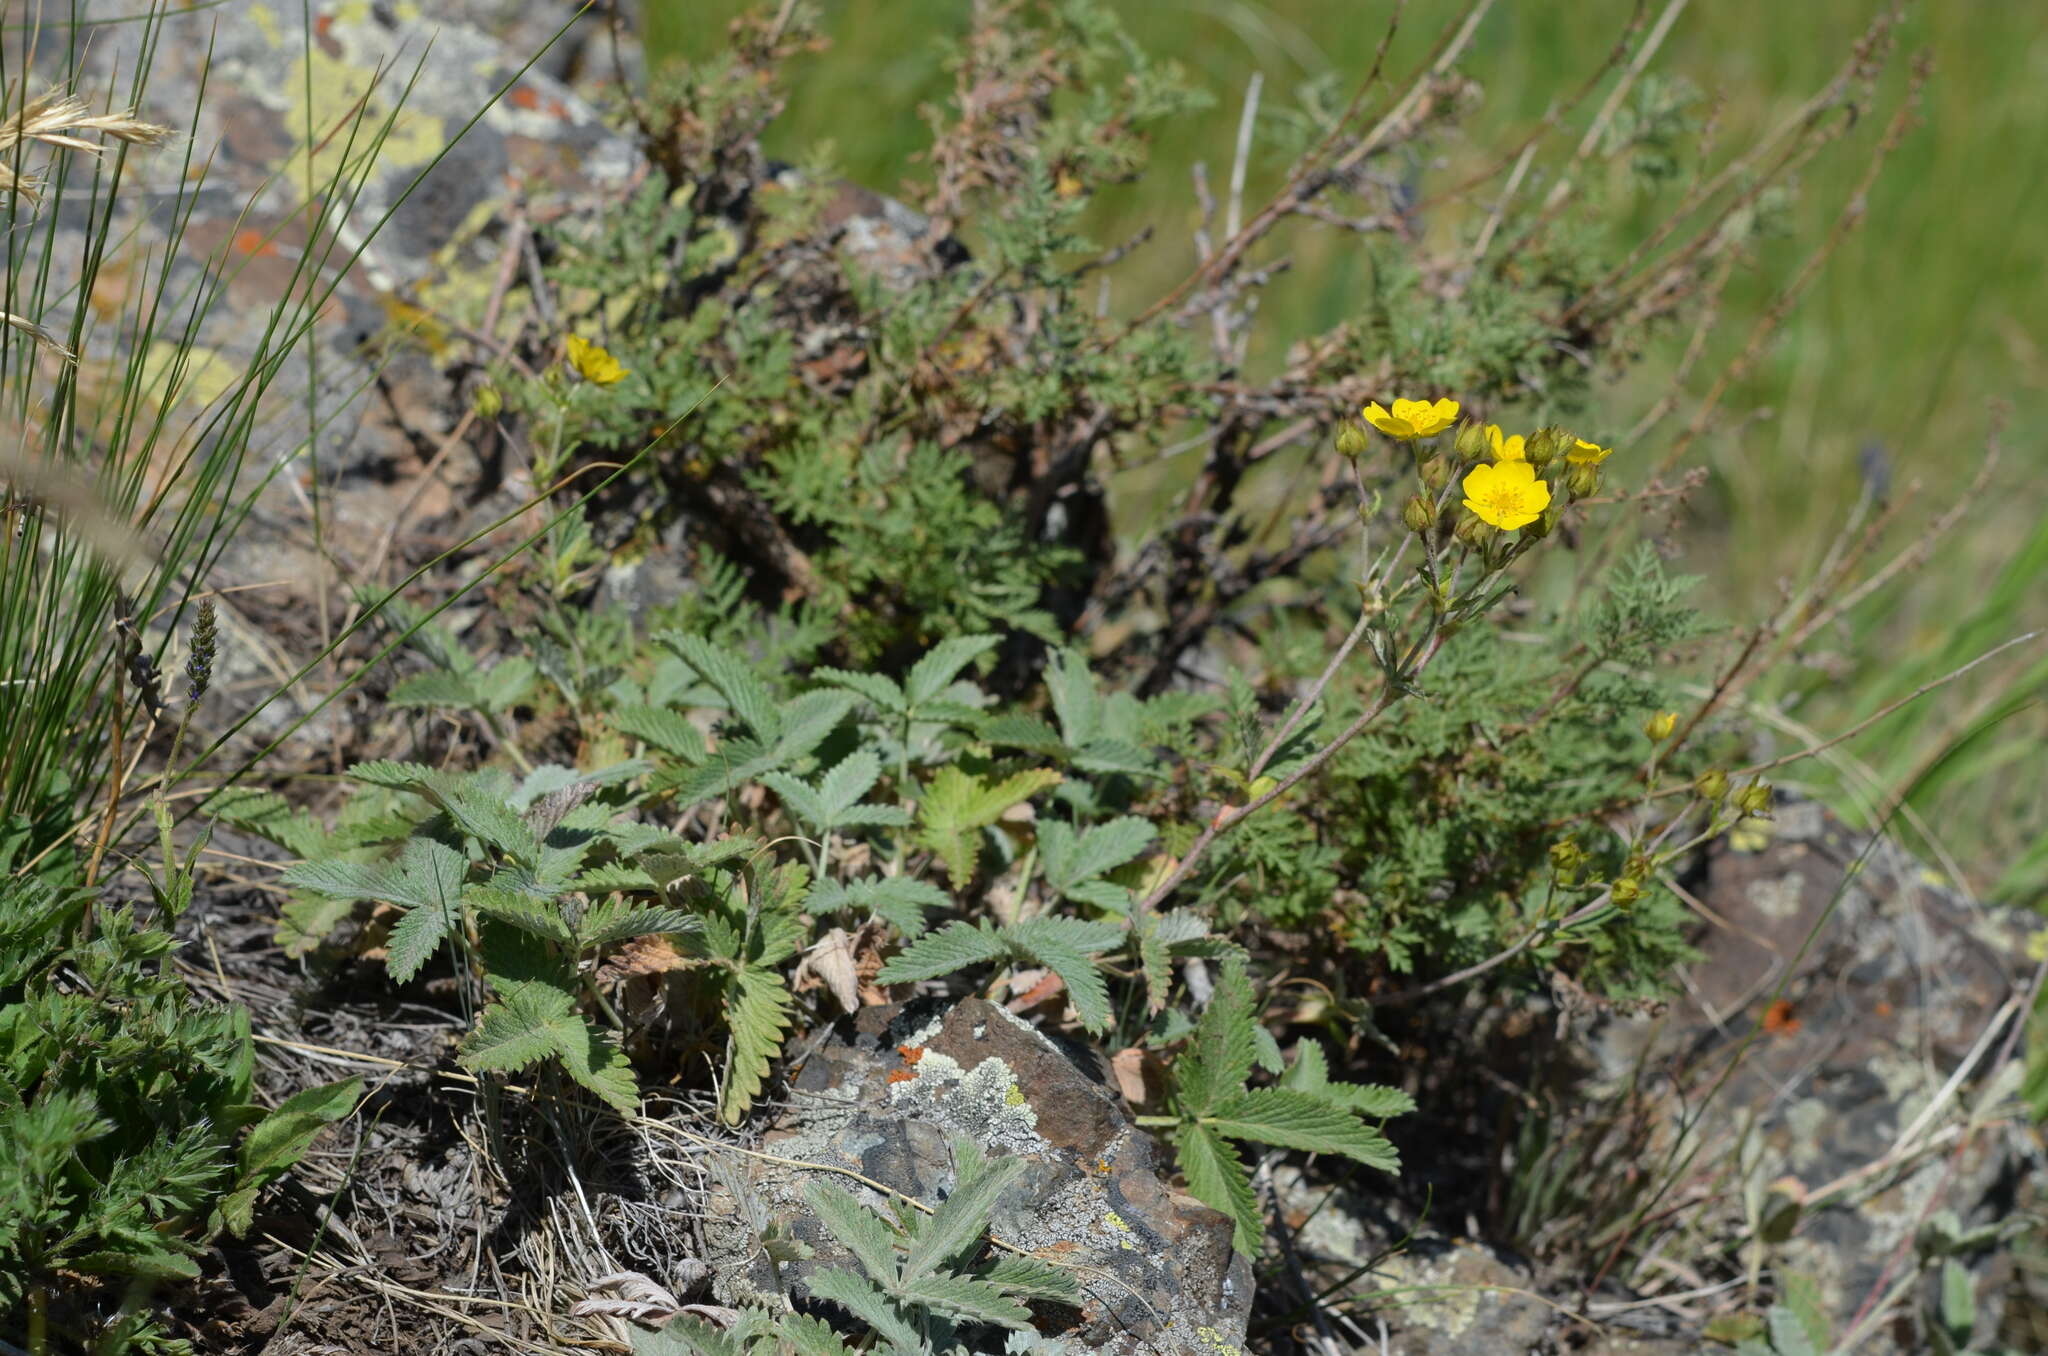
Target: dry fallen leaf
(1140, 1076)
(830, 962)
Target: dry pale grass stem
(67, 121)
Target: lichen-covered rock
(1849, 1094)
(882, 1096)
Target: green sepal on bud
(1581, 480)
(1625, 892)
(1712, 784)
(1545, 524)
(1541, 447)
(1659, 726)
(489, 401)
(1436, 473)
(1473, 531)
(1754, 800)
(1567, 859)
(1471, 443)
(1351, 439)
(1417, 515)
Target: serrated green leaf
(808, 721)
(898, 900)
(344, 880)
(959, 1224)
(1220, 1058)
(1029, 1277)
(863, 1233)
(813, 1337)
(965, 1300)
(669, 731)
(504, 684)
(1217, 1178)
(1023, 732)
(881, 692)
(436, 689)
(1298, 1120)
(269, 815)
(757, 1012)
(482, 814)
(874, 817)
(536, 1021)
(279, 1140)
(954, 947)
(935, 672)
(1072, 689)
(1063, 945)
(957, 805)
(861, 1299)
(1071, 858)
(415, 940)
(849, 780)
(802, 802)
(746, 696)
(398, 776)
(616, 920)
(538, 917)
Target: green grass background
(1934, 311)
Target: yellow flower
(1507, 449)
(1584, 453)
(1660, 726)
(1507, 495)
(1412, 418)
(592, 363)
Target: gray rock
(882, 1096)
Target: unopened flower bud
(1546, 523)
(489, 401)
(1660, 726)
(1436, 473)
(1566, 857)
(1416, 514)
(1582, 480)
(1625, 892)
(1472, 531)
(1471, 444)
(1712, 784)
(1754, 800)
(1351, 439)
(1541, 447)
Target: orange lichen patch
(901, 1076)
(524, 97)
(1884, 1009)
(1779, 1019)
(911, 1053)
(250, 242)
(322, 24)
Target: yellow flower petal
(1391, 424)
(1507, 494)
(1507, 449)
(1584, 453)
(593, 363)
